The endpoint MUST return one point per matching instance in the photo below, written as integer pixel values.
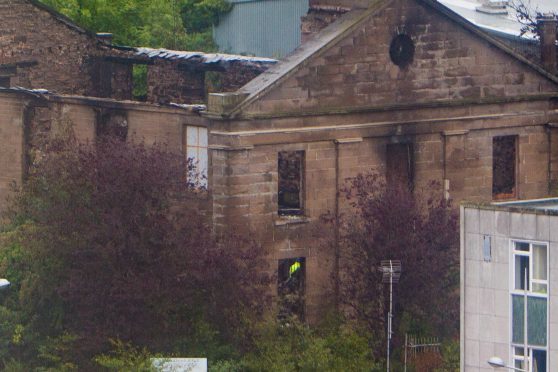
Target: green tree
(105, 243)
(172, 24)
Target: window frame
(520, 292)
(284, 291)
(204, 173)
(301, 210)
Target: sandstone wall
(450, 63)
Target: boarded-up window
(504, 160)
(291, 175)
(399, 164)
(197, 150)
(290, 287)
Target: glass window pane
(192, 136)
(517, 319)
(536, 321)
(202, 137)
(521, 246)
(539, 288)
(521, 265)
(192, 153)
(487, 248)
(539, 262)
(518, 351)
(539, 361)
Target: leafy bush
(109, 240)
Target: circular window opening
(402, 50)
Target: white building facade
(509, 252)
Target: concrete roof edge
(518, 207)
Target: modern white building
(509, 251)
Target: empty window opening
(196, 144)
(291, 175)
(399, 164)
(139, 82)
(290, 287)
(504, 164)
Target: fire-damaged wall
(168, 81)
(66, 59)
(29, 121)
(42, 49)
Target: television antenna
(391, 272)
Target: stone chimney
(547, 25)
(105, 37)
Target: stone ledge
(292, 220)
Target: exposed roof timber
(346, 24)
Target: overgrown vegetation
(104, 242)
(172, 24)
(420, 228)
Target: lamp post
(499, 363)
(4, 283)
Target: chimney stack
(105, 37)
(547, 25)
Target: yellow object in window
(294, 268)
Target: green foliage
(292, 346)
(56, 354)
(201, 15)
(450, 356)
(126, 358)
(153, 23)
(140, 82)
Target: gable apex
(352, 21)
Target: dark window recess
(291, 174)
(504, 160)
(399, 164)
(290, 287)
(114, 124)
(5, 81)
(402, 50)
(102, 78)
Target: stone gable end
(57, 55)
(450, 63)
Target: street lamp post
(499, 363)
(4, 283)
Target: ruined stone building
(402, 87)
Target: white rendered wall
(485, 286)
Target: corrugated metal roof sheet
(269, 28)
(199, 57)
